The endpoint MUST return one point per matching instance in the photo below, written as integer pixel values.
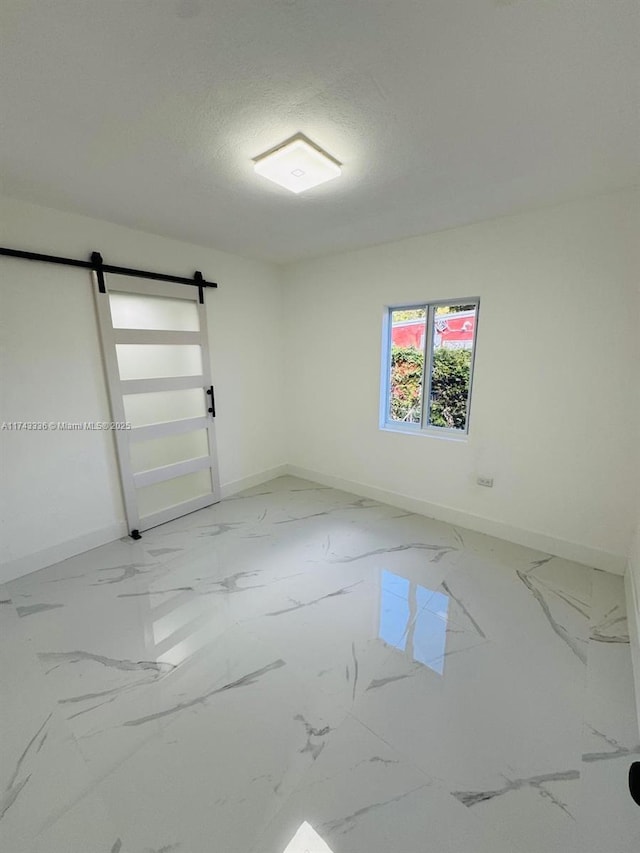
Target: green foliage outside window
(406, 384)
(449, 386)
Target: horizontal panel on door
(165, 383)
(167, 428)
(168, 450)
(156, 361)
(158, 407)
(155, 336)
(171, 472)
(169, 493)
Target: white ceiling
(443, 112)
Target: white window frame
(423, 428)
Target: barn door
(155, 347)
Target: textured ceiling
(443, 112)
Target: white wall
(555, 408)
(60, 491)
(554, 414)
(632, 579)
(632, 589)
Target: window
(427, 366)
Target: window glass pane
(171, 492)
(453, 341)
(157, 407)
(136, 311)
(156, 452)
(152, 361)
(408, 329)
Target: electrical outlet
(485, 481)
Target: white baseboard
(531, 539)
(228, 489)
(55, 553)
(21, 566)
(632, 595)
(604, 560)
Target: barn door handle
(212, 407)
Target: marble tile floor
(300, 669)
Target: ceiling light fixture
(297, 164)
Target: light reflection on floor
(424, 637)
(307, 840)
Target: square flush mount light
(307, 840)
(297, 164)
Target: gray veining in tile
(159, 552)
(18, 779)
(298, 605)
(440, 687)
(244, 681)
(612, 628)
(617, 750)
(343, 825)
(149, 592)
(124, 665)
(315, 737)
(380, 682)
(36, 608)
(439, 551)
(472, 798)
(447, 589)
(560, 630)
(128, 572)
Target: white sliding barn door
(155, 347)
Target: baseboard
(235, 486)
(632, 594)
(13, 569)
(608, 562)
